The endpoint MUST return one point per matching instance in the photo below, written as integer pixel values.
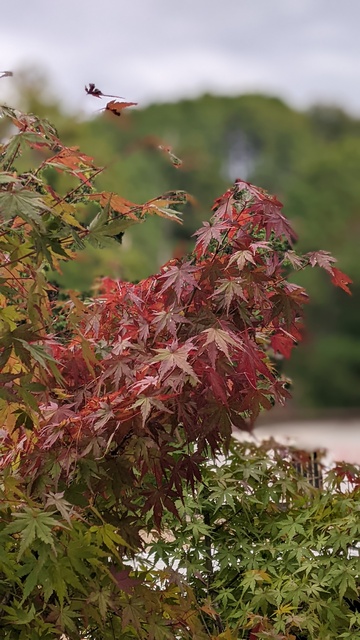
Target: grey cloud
(161, 49)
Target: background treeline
(311, 160)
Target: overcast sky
(304, 51)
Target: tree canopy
(118, 519)
(309, 159)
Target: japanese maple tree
(113, 405)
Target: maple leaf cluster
(108, 419)
(184, 356)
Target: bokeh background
(265, 91)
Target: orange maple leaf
(340, 279)
(117, 107)
(117, 203)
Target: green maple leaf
(32, 524)
(43, 358)
(102, 598)
(19, 615)
(23, 203)
(133, 613)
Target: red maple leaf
(229, 290)
(117, 107)
(322, 259)
(207, 233)
(217, 385)
(257, 629)
(282, 342)
(296, 261)
(123, 580)
(340, 279)
(278, 224)
(178, 276)
(223, 340)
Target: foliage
(310, 159)
(113, 404)
(266, 551)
